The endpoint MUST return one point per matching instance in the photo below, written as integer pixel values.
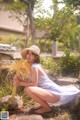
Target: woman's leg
(42, 96)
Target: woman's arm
(17, 82)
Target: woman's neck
(30, 63)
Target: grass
(5, 88)
(63, 116)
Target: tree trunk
(30, 4)
(32, 27)
(54, 44)
(54, 48)
(26, 31)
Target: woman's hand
(16, 81)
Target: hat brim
(24, 51)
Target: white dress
(66, 93)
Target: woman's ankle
(47, 107)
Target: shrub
(5, 88)
(48, 63)
(70, 65)
(61, 46)
(16, 40)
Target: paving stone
(64, 80)
(26, 117)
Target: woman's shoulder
(35, 65)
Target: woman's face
(30, 56)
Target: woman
(41, 88)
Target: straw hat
(35, 49)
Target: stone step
(25, 117)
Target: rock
(66, 81)
(74, 106)
(26, 117)
(16, 103)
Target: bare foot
(42, 110)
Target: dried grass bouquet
(22, 69)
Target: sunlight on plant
(5, 88)
(50, 64)
(22, 69)
(65, 116)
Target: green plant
(5, 88)
(4, 107)
(48, 63)
(19, 41)
(42, 43)
(70, 65)
(61, 46)
(65, 116)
